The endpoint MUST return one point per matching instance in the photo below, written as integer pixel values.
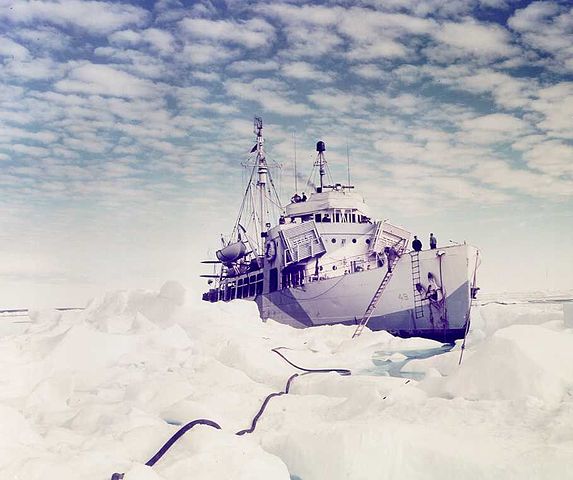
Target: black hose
(340, 371)
(202, 421)
(185, 428)
(264, 405)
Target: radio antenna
(348, 160)
(295, 174)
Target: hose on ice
(210, 423)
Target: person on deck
(295, 198)
(433, 241)
(303, 198)
(416, 244)
(326, 218)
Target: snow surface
(85, 394)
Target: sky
(124, 127)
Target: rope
(463, 347)
(202, 421)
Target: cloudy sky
(123, 127)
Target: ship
(324, 260)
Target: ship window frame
(252, 285)
(273, 280)
(260, 279)
(240, 288)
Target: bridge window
(240, 288)
(259, 284)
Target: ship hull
(400, 310)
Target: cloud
(9, 48)
(271, 95)
(98, 79)
(547, 27)
(250, 66)
(207, 54)
(33, 69)
(555, 104)
(311, 41)
(305, 71)
(340, 101)
(369, 71)
(254, 33)
(160, 40)
(470, 38)
(493, 128)
(552, 157)
(93, 16)
(381, 48)
(502, 175)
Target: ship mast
(260, 202)
(262, 171)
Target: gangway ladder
(418, 298)
(374, 302)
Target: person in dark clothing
(416, 244)
(295, 198)
(432, 293)
(433, 241)
(392, 255)
(303, 198)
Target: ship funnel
(320, 146)
(231, 253)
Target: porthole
(367, 241)
(333, 240)
(334, 267)
(353, 240)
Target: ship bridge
(337, 205)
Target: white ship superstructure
(327, 261)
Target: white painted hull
(344, 299)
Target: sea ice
(85, 394)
